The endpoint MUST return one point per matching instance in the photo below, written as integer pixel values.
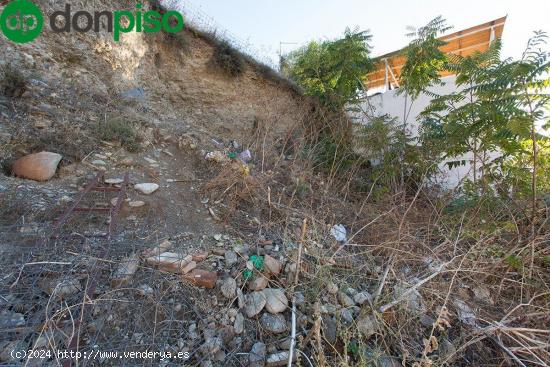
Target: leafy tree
(468, 119)
(332, 70)
(423, 65)
(382, 142)
(496, 106)
(521, 89)
(425, 60)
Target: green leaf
(514, 262)
(520, 126)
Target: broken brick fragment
(200, 256)
(201, 278)
(163, 247)
(126, 270)
(170, 261)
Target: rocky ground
(176, 277)
(210, 253)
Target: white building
(383, 86)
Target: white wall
(392, 104)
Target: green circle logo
(21, 21)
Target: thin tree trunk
(475, 162)
(534, 177)
(535, 161)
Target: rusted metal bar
(92, 209)
(73, 343)
(118, 205)
(91, 184)
(106, 189)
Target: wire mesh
(46, 274)
(201, 21)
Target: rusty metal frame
(113, 218)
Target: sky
(264, 24)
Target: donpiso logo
(22, 21)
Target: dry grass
(121, 131)
(454, 263)
(229, 60)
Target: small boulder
(145, 290)
(172, 262)
(113, 181)
(231, 258)
(156, 251)
(413, 301)
(254, 303)
(388, 361)
(200, 256)
(39, 167)
(228, 288)
(346, 315)
(367, 325)
(272, 265)
(147, 188)
(256, 357)
(240, 298)
(191, 265)
(332, 288)
(9, 319)
(211, 346)
(279, 359)
(259, 283)
(363, 297)
(465, 312)
(63, 288)
(328, 309)
(276, 301)
(126, 270)
(136, 204)
(345, 300)
(238, 325)
(275, 324)
(99, 162)
(329, 328)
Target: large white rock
(146, 188)
(276, 301)
(39, 167)
(254, 303)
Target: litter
(245, 156)
(339, 232)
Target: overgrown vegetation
(12, 82)
(179, 40)
(495, 112)
(331, 71)
(491, 233)
(120, 131)
(229, 60)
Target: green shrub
(229, 59)
(13, 83)
(121, 131)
